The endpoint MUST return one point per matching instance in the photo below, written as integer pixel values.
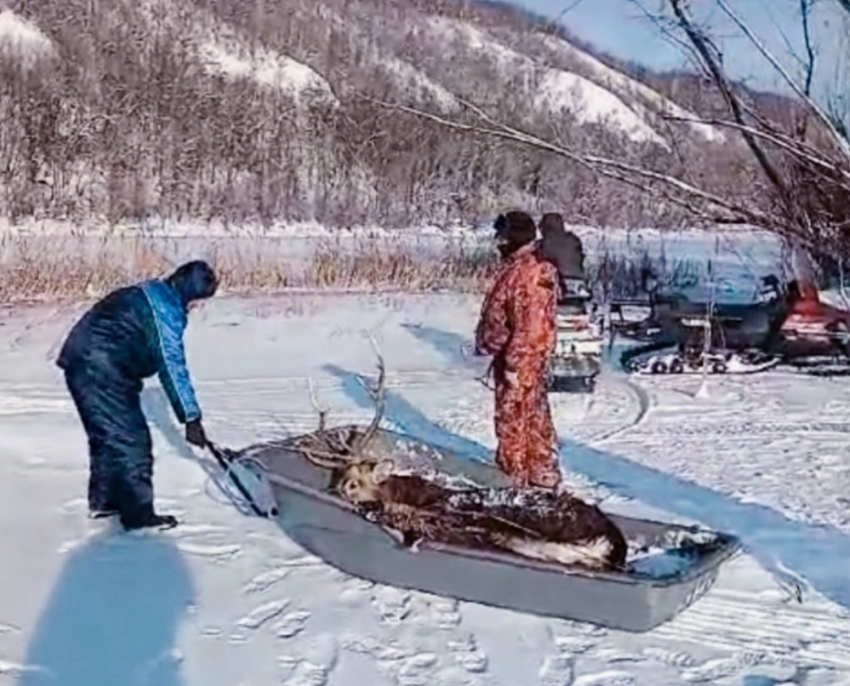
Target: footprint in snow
(355, 591)
(187, 530)
(314, 663)
(417, 670)
(557, 670)
(721, 668)
(440, 613)
(353, 588)
(265, 580)
(608, 678)
(455, 676)
(391, 604)
(292, 624)
(669, 657)
(611, 655)
(573, 645)
(468, 656)
(381, 651)
(262, 614)
(474, 663)
(308, 674)
(222, 552)
(585, 629)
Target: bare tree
(130, 121)
(810, 183)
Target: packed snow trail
(227, 599)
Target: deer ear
(383, 470)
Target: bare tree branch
(711, 57)
(715, 206)
(843, 143)
(686, 47)
(791, 145)
(805, 9)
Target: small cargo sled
(668, 567)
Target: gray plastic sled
(328, 527)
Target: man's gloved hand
(195, 434)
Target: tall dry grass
(72, 269)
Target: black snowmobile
(578, 354)
(681, 335)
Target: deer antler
(322, 411)
(317, 451)
(378, 395)
(329, 449)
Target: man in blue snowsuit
(128, 336)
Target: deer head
(343, 450)
(360, 482)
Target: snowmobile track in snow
(281, 384)
(18, 398)
(734, 621)
(746, 429)
(641, 402)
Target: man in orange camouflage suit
(517, 327)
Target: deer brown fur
(546, 525)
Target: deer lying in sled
(545, 525)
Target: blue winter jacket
(134, 333)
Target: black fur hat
(515, 228)
(552, 223)
(194, 280)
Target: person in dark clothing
(128, 336)
(561, 247)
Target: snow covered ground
(227, 600)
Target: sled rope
(262, 501)
(260, 470)
(484, 379)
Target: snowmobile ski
(656, 359)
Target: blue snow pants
(120, 445)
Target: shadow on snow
(113, 615)
(816, 553)
(448, 344)
(407, 418)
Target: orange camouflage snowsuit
(517, 327)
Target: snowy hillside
(226, 599)
(268, 111)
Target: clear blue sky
(622, 29)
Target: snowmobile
(784, 326)
(578, 353)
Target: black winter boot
(151, 521)
(103, 512)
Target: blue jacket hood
(194, 280)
